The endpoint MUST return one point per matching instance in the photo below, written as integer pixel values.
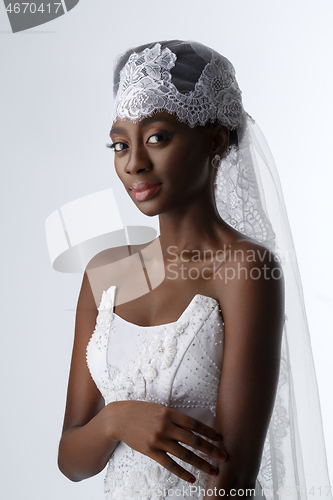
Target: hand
(154, 430)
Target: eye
(117, 146)
(157, 138)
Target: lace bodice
(177, 364)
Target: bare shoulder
(252, 254)
(102, 271)
(121, 267)
(246, 256)
(251, 284)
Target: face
(163, 163)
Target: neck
(193, 226)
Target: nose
(139, 160)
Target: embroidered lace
(146, 87)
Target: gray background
(55, 103)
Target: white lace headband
(146, 86)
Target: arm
(91, 430)
(253, 311)
(84, 446)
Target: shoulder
(252, 255)
(100, 272)
(123, 267)
(250, 281)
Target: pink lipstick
(145, 190)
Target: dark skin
(163, 150)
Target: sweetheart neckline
(172, 322)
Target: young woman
(188, 391)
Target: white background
(55, 102)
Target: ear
(220, 140)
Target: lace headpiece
(198, 86)
(146, 86)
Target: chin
(149, 209)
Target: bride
(186, 390)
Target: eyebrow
(142, 123)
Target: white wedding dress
(178, 365)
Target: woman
(167, 411)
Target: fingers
(194, 425)
(198, 443)
(191, 458)
(163, 459)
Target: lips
(145, 190)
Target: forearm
(85, 450)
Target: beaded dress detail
(178, 365)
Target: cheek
(117, 169)
(193, 163)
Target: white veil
(249, 197)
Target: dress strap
(112, 293)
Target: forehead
(120, 126)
